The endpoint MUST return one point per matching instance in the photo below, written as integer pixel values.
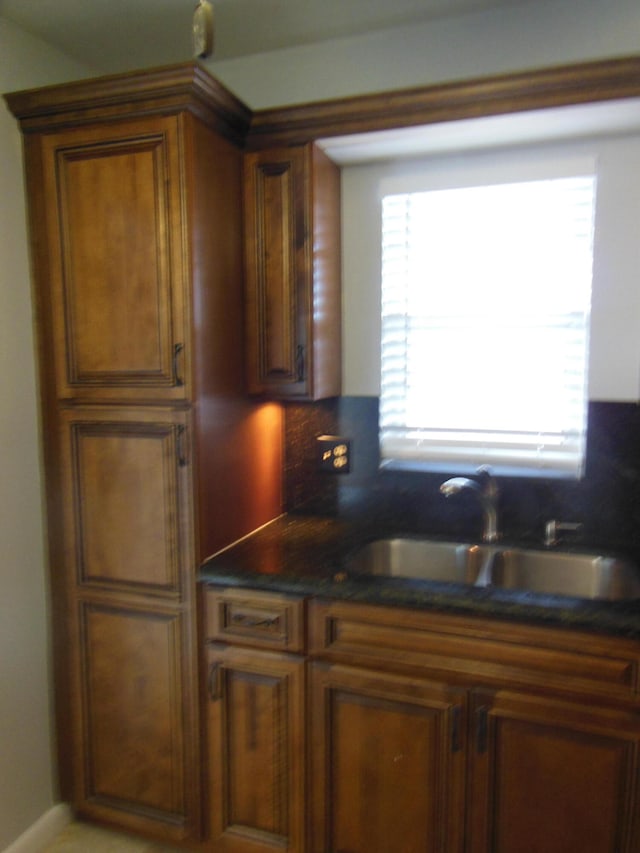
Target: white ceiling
(119, 35)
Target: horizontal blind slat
(449, 347)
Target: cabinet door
(256, 749)
(388, 763)
(552, 777)
(114, 230)
(126, 482)
(292, 240)
(136, 730)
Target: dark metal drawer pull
(245, 620)
(214, 682)
(177, 378)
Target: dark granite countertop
(309, 555)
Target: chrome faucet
(486, 488)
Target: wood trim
(495, 95)
(169, 89)
(189, 86)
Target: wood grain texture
(134, 716)
(292, 269)
(134, 202)
(385, 773)
(118, 281)
(554, 776)
(450, 101)
(255, 713)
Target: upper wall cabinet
(117, 266)
(292, 243)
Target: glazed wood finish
(256, 750)
(134, 716)
(126, 487)
(388, 763)
(552, 775)
(135, 207)
(546, 724)
(117, 270)
(292, 246)
(255, 710)
(464, 99)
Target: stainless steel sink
(556, 573)
(426, 559)
(590, 576)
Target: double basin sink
(579, 575)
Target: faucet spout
(486, 489)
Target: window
(485, 325)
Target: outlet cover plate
(334, 454)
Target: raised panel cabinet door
(292, 252)
(127, 499)
(134, 765)
(256, 750)
(117, 267)
(388, 763)
(553, 777)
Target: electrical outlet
(334, 454)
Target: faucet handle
(553, 527)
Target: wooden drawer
(474, 651)
(262, 619)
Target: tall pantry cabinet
(154, 456)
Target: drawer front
(474, 650)
(261, 619)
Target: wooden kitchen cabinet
(255, 723)
(117, 272)
(138, 720)
(554, 776)
(292, 260)
(513, 739)
(135, 205)
(388, 762)
(126, 482)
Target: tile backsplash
(606, 502)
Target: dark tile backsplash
(606, 501)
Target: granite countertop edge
(309, 555)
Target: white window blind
(485, 324)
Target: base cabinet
(255, 728)
(442, 733)
(406, 764)
(388, 763)
(553, 776)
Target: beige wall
(26, 778)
